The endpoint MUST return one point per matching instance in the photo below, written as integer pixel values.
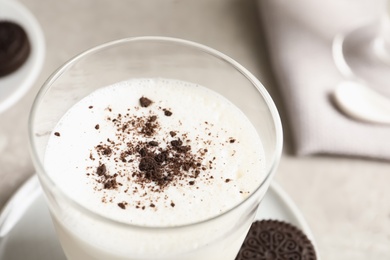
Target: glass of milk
(215, 123)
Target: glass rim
(40, 169)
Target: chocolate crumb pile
(152, 163)
(276, 240)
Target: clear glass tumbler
(79, 229)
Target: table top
(345, 201)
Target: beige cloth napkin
(299, 34)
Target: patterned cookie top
(14, 47)
(276, 240)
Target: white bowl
(16, 84)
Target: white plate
(26, 230)
(16, 84)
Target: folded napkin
(299, 36)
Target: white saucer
(16, 84)
(26, 230)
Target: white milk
(103, 154)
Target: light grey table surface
(346, 201)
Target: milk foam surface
(220, 164)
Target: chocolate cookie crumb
(90, 107)
(122, 205)
(232, 141)
(107, 151)
(145, 102)
(153, 143)
(101, 170)
(110, 183)
(148, 165)
(176, 143)
(172, 134)
(57, 134)
(97, 127)
(142, 152)
(161, 157)
(167, 112)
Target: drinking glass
(79, 229)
